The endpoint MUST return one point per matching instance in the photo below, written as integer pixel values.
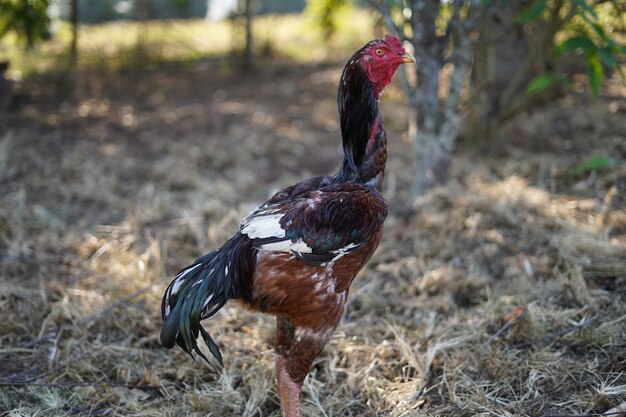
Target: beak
(407, 58)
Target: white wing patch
(262, 225)
(342, 251)
(286, 246)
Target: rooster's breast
(282, 284)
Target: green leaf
(574, 43)
(485, 3)
(543, 81)
(539, 84)
(606, 55)
(583, 5)
(599, 30)
(594, 163)
(596, 72)
(532, 12)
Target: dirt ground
(500, 294)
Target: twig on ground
(512, 318)
(607, 203)
(571, 330)
(619, 410)
(423, 387)
(95, 317)
(79, 384)
(608, 413)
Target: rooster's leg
(288, 390)
(296, 348)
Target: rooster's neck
(362, 130)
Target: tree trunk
(432, 155)
(443, 62)
(507, 58)
(441, 71)
(247, 55)
(74, 42)
(142, 52)
(143, 10)
(498, 72)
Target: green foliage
(323, 14)
(589, 33)
(181, 4)
(598, 54)
(596, 72)
(28, 19)
(532, 13)
(594, 163)
(542, 82)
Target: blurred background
(135, 134)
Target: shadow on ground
(499, 294)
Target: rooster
(296, 255)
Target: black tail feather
(201, 289)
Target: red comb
(392, 41)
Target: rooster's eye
(380, 52)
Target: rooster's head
(381, 58)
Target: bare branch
(383, 8)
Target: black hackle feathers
(200, 290)
(358, 112)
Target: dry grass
(501, 294)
